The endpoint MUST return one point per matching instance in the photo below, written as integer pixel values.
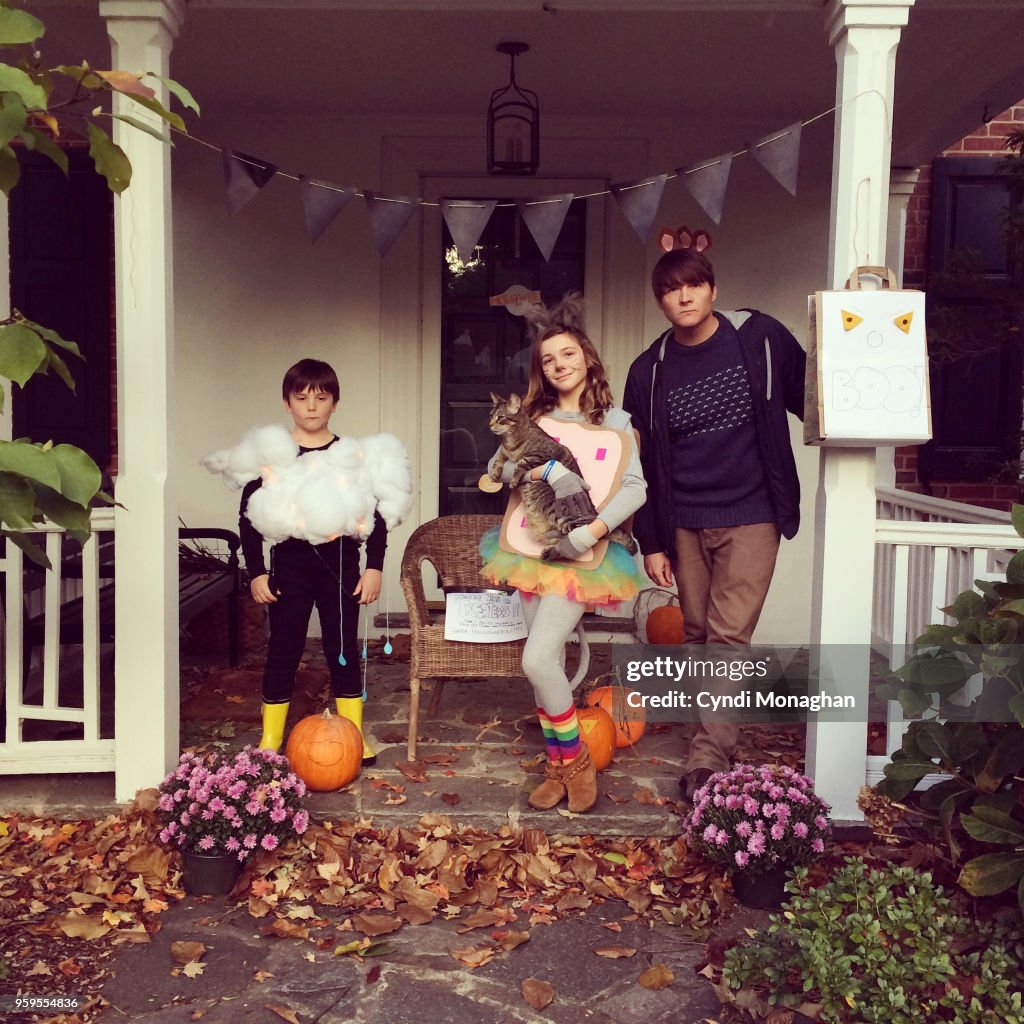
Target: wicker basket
(209, 629)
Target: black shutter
(62, 277)
(976, 397)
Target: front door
(485, 341)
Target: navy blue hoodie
(775, 365)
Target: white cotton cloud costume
(321, 495)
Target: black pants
(306, 576)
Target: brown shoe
(551, 791)
(580, 779)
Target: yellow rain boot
(274, 716)
(352, 709)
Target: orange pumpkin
(629, 722)
(665, 625)
(598, 732)
(325, 751)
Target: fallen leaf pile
(386, 879)
(70, 894)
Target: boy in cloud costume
(314, 496)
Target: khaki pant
(723, 575)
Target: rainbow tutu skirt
(615, 580)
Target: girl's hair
(566, 317)
(314, 374)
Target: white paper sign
(874, 366)
(483, 617)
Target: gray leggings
(551, 620)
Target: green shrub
(876, 946)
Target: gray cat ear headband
(683, 238)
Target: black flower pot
(209, 874)
(765, 890)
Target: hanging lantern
(513, 123)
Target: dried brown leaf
(656, 977)
(480, 919)
(184, 952)
(82, 926)
(538, 993)
(412, 914)
(573, 901)
(376, 924)
(509, 940)
(284, 929)
(615, 952)
(284, 1012)
(474, 956)
(414, 771)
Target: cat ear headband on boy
(683, 238)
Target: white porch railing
(89, 753)
(927, 550)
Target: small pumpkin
(598, 732)
(665, 625)
(629, 722)
(325, 751)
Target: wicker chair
(451, 545)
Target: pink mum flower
(742, 858)
(818, 846)
(269, 842)
(207, 842)
(800, 830)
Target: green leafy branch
(41, 105)
(39, 108)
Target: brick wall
(987, 140)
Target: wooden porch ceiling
(720, 69)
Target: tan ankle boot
(551, 791)
(580, 780)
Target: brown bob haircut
(681, 266)
(314, 374)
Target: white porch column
(902, 181)
(865, 35)
(142, 33)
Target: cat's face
(505, 414)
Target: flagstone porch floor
(477, 759)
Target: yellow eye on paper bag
(850, 320)
(903, 322)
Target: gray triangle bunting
(544, 216)
(706, 182)
(388, 215)
(466, 220)
(639, 201)
(779, 154)
(244, 176)
(322, 202)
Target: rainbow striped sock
(554, 752)
(561, 735)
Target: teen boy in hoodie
(709, 400)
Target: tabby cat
(530, 446)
